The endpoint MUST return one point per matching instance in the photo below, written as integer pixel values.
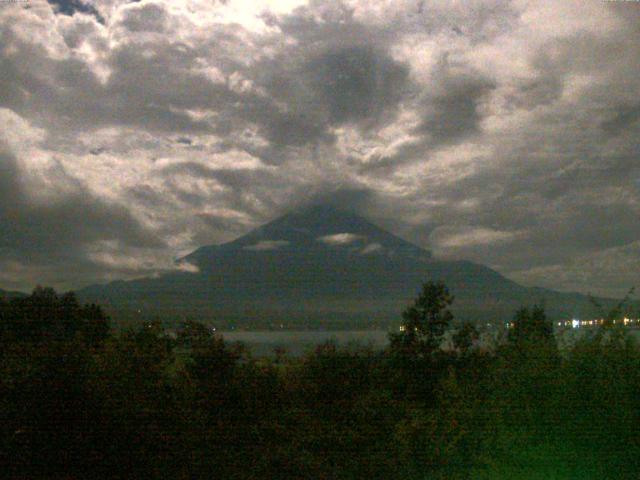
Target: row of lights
(569, 323)
(594, 323)
(574, 323)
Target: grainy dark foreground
(78, 401)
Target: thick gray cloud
(626, 118)
(500, 131)
(59, 231)
(148, 18)
(452, 114)
(355, 83)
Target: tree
(192, 333)
(609, 318)
(465, 337)
(48, 346)
(415, 365)
(425, 322)
(44, 317)
(531, 326)
(95, 326)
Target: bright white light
(575, 323)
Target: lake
(297, 343)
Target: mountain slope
(318, 264)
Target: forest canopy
(78, 399)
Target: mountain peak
(317, 227)
(324, 211)
(322, 219)
(320, 209)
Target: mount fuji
(322, 266)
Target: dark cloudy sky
(504, 132)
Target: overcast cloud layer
(504, 132)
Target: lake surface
(263, 343)
(298, 343)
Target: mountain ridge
(322, 262)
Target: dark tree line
(80, 401)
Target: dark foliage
(425, 322)
(530, 326)
(45, 317)
(79, 402)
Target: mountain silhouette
(320, 265)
